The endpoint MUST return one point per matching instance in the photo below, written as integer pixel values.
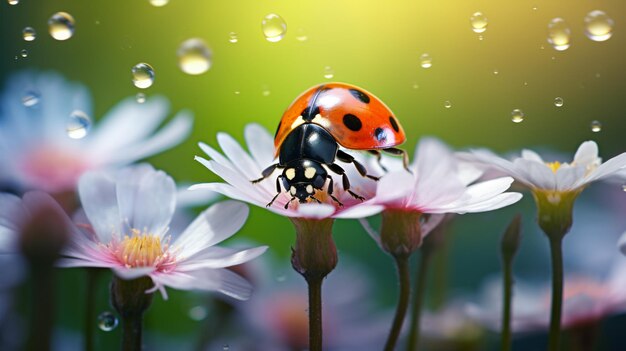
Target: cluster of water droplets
(598, 27)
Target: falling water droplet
(517, 116)
(301, 35)
(232, 37)
(416, 86)
(24, 53)
(558, 101)
(78, 125)
(329, 73)
(225, 347)
(30, 99)
(559, 34)
(237, 92)
(479, 22)
(140, 98)
(159, 3)
(596, 126)
(29, 34)
(274, 27)
(496, 72)
(481, 37)
(13, 2)
(624, 187)
(194, 57)
(426, 61)
(281, 278)
(107, 321)
(61, 26)
(598, 26)
(535, 8)
(447, 104)
(198, 313)
(265, 90)
(143, 75)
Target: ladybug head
(302, 177)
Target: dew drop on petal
(78, 125)
(596, 126)
(29, 34)
(447, 104)
(479, 22)
(194, 56)
(233, 37)
(159, 3)
(598, 26)
(517, 116)
(426, 61)
(198, 313)
(61, 26)
(143, 75)
(30, 99)
(140, 98)
(329, 73)
(301, 35)
(559, 34)
(13, 2)
(558, 101)
(274, 27)
(24, 53)
(107, 321)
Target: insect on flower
(313, 127)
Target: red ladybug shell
(353, 116)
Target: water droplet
(225, 347)
(274, 27)
(237, 92)
(159, 3)
(416, 86)
(233, 37)
(480, 37)
(78, 125)
(13, 2)
(107, 321)
(61, 26)
(281, 278)
(496, 72)
(426, 61)
(29, 34)
(329, 73)
(479, 22)
(596, 126)
(598, 26)
(24, 53)
(535, 8)
(194, 57)
(30, 99)
(558, 101)
(198, 313)
(265, 90)
(559, 34)
(624, 187)
(140, 98)
(301, 35)
(517, 116)
(447, 104)
(143, 75)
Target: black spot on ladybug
(352, 122)
(380, 134)
(278, 128)
(394, 124)
(308, 115)
(360, 95)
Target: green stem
(90, 302)
(557, 293)
(418, 300)
(315, 313)
(402, 263)
(131, 301)
(42, 313)
(132, 326)
(507, 277)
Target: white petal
(531, 156)
(260, 143)
(494, 203)
(360, 211)
(433, 221)
(79, 263)
(395, 187)
(487, 157)
(132, 273)
(536, 175)
(191, 198)
(586, 154)
(212, 226)
(221, 280)
(214, 155)
(146, 197)
(470, 172)
(211, 258)
(317, 211)
(567, 176)
(370, 230)
(236, 153)
(608, 169)
(99, 200)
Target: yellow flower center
(554, 166)
(142, 250)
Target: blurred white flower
(36, 152)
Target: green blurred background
(376, 45)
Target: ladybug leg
(344, 178)
(287, 204)
(266, 173)
(400, 152)
(347, 158)
(278, 190)
(378, 156)
(316, 199)
(330, 190)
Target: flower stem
(507, 276)
(315, 313)
(130, 299)
(42, 315)
(557, 293)
(132, 326)
(90, 301)
(418, 300)
(402, 263)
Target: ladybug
(313, 127)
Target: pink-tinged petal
(395, 187)
(532, 156)
(235, 152)
(610, 168)
(494, 203)
(469, 172)
(12, 213)
(317, 211)
(146, 197)
(535, 175)
(34, 200)
(360, 211)
(99, 200)
(488, 158)
(587, 154)
(167, 137)
(212, 226)
(260, 143)
(433, 221)
(221, 280)
(211, 258)
(262, 192)
(487, 189)
(214, 155)
(568, 175)
(199, 197)
(127, 123)
(375, 235)
(79, 263)
(132, 273)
